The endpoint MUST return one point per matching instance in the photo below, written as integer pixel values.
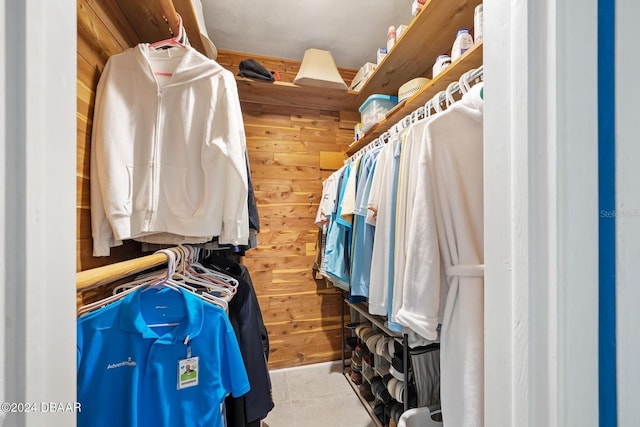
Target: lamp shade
(319, 69)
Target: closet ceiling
(352, 30)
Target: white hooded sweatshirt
(167, 152)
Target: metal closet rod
(440, 97)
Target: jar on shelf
(463, 42)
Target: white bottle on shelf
(477, 23)
(391, 37)
(417, 6)
(463, 42)
(442, 62)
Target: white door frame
(541, 222)
(37, 209)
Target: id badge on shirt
(188, 371)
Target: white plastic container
(362, 75)
(375, 109)
(382, 52)
(477, 23)
(400, 30)
(417, 6)
(391, 37)
(463, 42)
(442, 62)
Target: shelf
(471, 59)
(292, 95)
(367, 405)
(379, 321)
(431, 33)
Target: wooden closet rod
(169, 12)
(89, 279)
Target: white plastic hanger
(163, 278)
(196, 272)
(449, 99)
(464, 82)
(126, 290)
(175, 41)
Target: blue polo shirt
(128, 370)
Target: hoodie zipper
(155, 191)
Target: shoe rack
(378, 324)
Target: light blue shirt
(363, 234)
(338, 240)
(392, 238)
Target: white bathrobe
(449, 202)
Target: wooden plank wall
(286, 149)
(291, 150)
(302, 315)
(102, 31)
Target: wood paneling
(287, 147)
(102, 32)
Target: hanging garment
(329, 195)
(167, 157)
(246, 319)
(406, 189)
(425, 362)
(363, 233)
(346, 219)
(158, 357)
(339, 238)
(325, 209)
(348, 198)
(382, 201)
(163, 239)
(451, 178)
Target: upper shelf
(471, 59)
(292, 95)
(431, 33)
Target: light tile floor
(315, 396)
